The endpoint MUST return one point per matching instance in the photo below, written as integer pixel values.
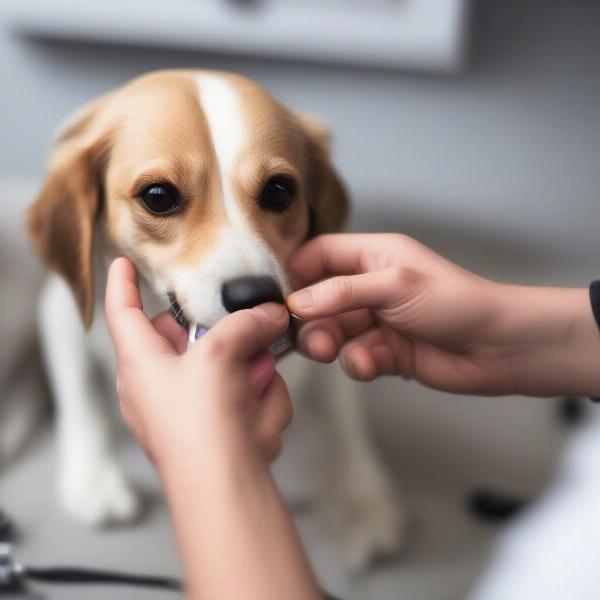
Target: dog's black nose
(246, 292)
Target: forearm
(235, 535)
(550, 340)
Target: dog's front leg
(363, 508)
(92, 486)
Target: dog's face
(202, 179)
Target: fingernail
(349, 366)
(273, 310)
(301, 299)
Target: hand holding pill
(262, 365)
(182, 389)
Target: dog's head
(202, 179)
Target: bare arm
(235, 535)
(211, 419)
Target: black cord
(76, 575)
(79, 575)
(17, 574)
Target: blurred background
(473, 126)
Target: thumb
(375, 290)
(131, 330)
(244, 333)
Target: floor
(439, 448)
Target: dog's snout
(246, 292)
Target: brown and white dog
(207, 184)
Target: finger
(327, 255)
(275, 415)
(376, 290)
(322, 339)
(318, 344)
(358, 363)
(165, 325)
(384, 360)
(262, 369)
(242, 334)
(129, 327)
(356, 356)
(377, 352)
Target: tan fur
(153, 129)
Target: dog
(207, 184)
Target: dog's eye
(160, 198)
(277, 194)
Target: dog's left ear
(61, 221)
(327, 196)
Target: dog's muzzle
(238, 294)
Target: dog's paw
(367, 519)
(98, 493)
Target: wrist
(202, 450)
(548, 339)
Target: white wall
(507, 154)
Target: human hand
(224, 390)
(210, 417)
(386, 304)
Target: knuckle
(252, 319)
(325, 238)
(276, 449)
(403, 276)
(257, 319)
(287, 413)
(283, 410)
(400, 239)
(265, 439)
(340, 288)
(272, 449)
(269, 327)
(316, 244)
(215, 347)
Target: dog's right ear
(62, 218)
